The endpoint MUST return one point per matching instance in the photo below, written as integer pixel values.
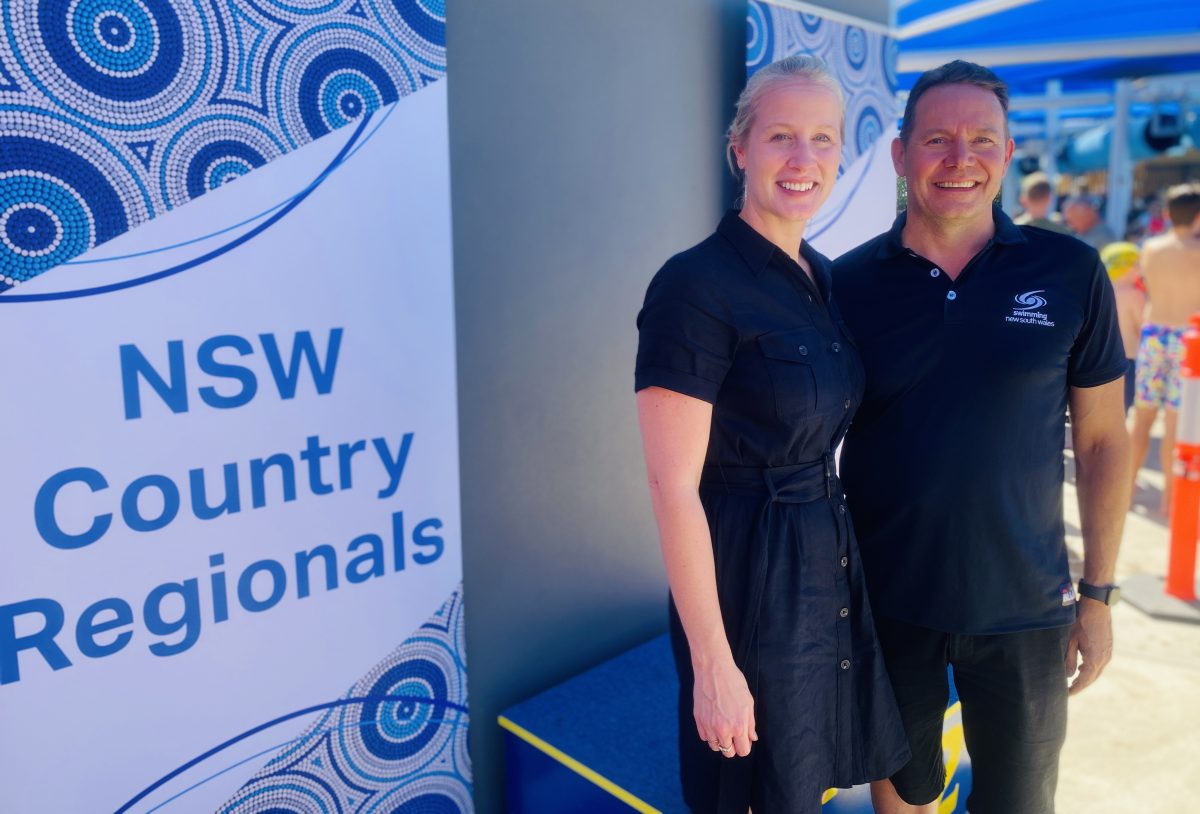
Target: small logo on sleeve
(1067, 589)
(1030, 310)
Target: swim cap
(1119, 258)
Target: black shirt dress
(737, 323)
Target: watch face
(1108, 594)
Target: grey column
(586, 148)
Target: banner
(862, 56)
(230, 564)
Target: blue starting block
(605, 742)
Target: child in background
(1121, 260)
(1170, 264)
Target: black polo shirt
(953, 467)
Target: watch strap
(1101, 593)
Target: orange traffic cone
(1185, 494)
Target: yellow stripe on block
(577, 767)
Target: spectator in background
(1121, 260)
(1083, 217)
(1154, 221)
(1171, 266)
(1036, 194)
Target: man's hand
(1091, 645)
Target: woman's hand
(724, 709)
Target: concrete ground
(1133, 737)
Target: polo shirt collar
(1007, 233)
(755, 249)
(758, 251)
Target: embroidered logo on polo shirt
(1029, 312)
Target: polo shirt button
(836, 347)
(951, 295)
(803, 350)
(934, 272)
(845, 561)
(844, 612)
(845, 665)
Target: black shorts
(1013, 689)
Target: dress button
(803, 350)
(951, 295)
(841, 508)
(844, 612)
(836, 347)
(845, 561)
(811, 298)
(845, 665)
(847, 404)
(934, 272)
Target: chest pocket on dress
(802, 370)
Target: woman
(747, 380)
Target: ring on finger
(725, 749)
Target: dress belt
(797, 483)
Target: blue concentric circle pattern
(151, 103)
(862, 60)
(54, 203)
(403, 748)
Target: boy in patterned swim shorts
(1171, 266)
(1158, 360)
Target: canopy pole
(1120, 167)
(1050, 149)
(1010, 189)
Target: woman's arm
(675, 432)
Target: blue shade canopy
(1085, 43)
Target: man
(1083, 217)
(1171, 266)
(976, 336)
(1035, 197)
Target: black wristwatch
(1108, 594)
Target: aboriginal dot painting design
(863, 61)
(115, 111)
(400, 748)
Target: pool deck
(1133, 737)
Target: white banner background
(368, 251)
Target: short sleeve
(685, 340)
(1098, 355)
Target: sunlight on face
(956, 155)
(790, 156)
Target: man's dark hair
(958, 72)
(1183, 204)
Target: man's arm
(1101, 446)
